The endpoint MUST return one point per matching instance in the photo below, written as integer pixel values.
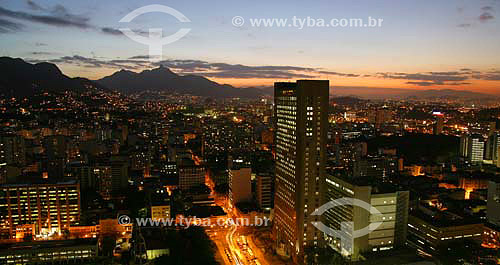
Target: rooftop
(378, 187)
(40, 182)
(443, 218)
(47, 244)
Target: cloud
(338, 74)
(145, 57)
(7, 26)
(111, 31)
(255, 74)
(94, 62)
(199, 67)
(34, 6)
(429, 78)
(117, 32)
(240, 71)
(41, 53)
(452, 73)
(225, 70)
(491, 76)
(40, 44)
(436, 77)
(434, 83)
(422, 83)
(59, 17)
(451, 78)
(486, 16)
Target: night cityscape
(250, 133)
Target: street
(232, 245)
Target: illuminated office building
(439, 125)
(82, 251)
(472, 148)
(45, 208)
(386, 198)
(264, 191)
(301, 111)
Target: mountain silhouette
(163, 79)
(22, 79)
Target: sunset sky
(422, 44)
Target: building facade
(264, 191)
(50, 208)
(240, 185)
(51, 252)
(380, 167)
(429, 235)
(472, 148)
(390, 202)
(12, 150)
(301, 111)
(160, 212)
(493, 202)
(191, 176)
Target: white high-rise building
(472, 148)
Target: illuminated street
(233, 247)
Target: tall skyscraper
(301, 111)
(12, 150)
(472, 148)
(497, 160)
(240, 184)
(491, 148)
(264, 191)
(493, 202)
(190, 174)
(464, 145)
(119, 176)
(476, 149)
(439, 125)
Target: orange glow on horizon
(480, 86)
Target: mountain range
(444, 94)
(409, 94)
(21, 79)
(162, 79)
